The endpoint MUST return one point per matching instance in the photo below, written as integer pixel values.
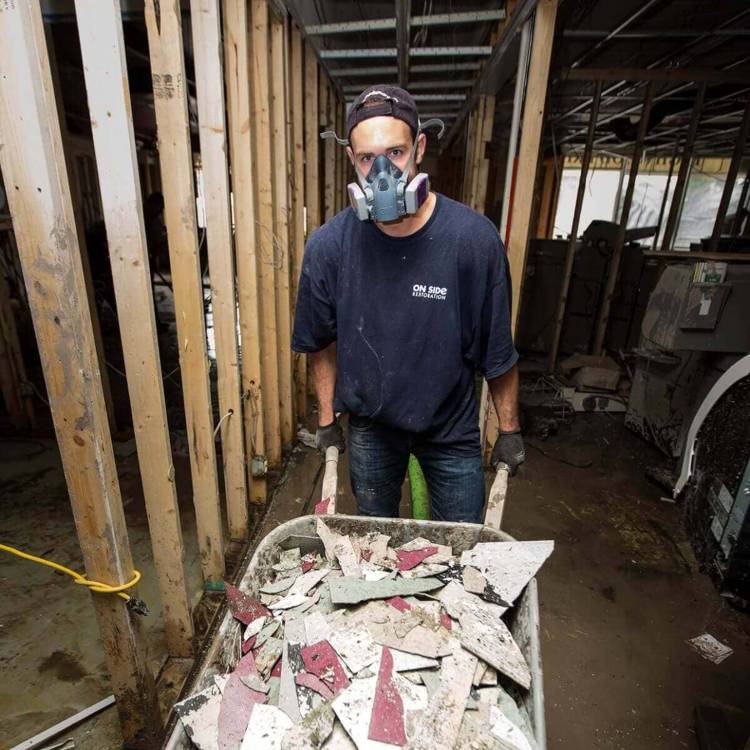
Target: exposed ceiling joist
(385, 24)
(343, 54)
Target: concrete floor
(619, 597)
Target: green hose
(420, 499)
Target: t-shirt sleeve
(497, 353)
(315, 315)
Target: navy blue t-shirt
(413, 317)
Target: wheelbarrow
(523, 619)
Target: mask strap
(332, 134)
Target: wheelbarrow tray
(523, 618)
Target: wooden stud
(209, 83)
(236, 58)
(103, 54)
(298, 73)
(312, 140)
(33, 167)
(573, 239)
(164, 29)
(528, 154)
(260, 129)
(329, 195)
(488, 124)
(82, 210)
(675, 207)
(734, 168)
(614, 264)
(279, 149)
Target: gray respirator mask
(386, 193)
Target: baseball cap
(383, 100)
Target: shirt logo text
(429, 292)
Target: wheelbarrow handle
(493, 517)
(327, 502)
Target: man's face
(385, 136)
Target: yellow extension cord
(97, 586)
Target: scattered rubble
(370, 646)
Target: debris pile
(362, 645)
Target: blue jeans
(378, 458)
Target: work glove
(509, 450)
(328, 435)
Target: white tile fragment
(316, 628)
(289, 601)
(474, 582)
(404, 662)
(710, 648)
(508, 566)
(254, 628)
(506, 731)
(200, 716)
(441, 720)
(356, 647)
(308, 581)
(266, 728)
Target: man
(396, 313)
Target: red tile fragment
(321, 508)
(314, 683)
(387, 719)
(308, 563)
(409, 560)
(244, 607)
(276, 671)
(237, 704)
(249, 644)
(399, 603)
(320, 659)
(446, 621)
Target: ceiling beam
(486, 84)
(385, 24)
(673, 75)
(644, 34)
(343, 54)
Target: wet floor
(619, 597)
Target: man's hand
(509, 450)
(328, 435)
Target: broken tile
(479, 673)
(200, 716)
(288, 560)
(269, 654)
(320, 658)
(404, 662)
(441, 721)
(454, 597)
(294, 633)
(254, 682)
(489, 677)
(254, 628)
(506, 731)
(322, 508)
(399, 603)
(353, 591)
(305, 679)
(265, 729)
(356, 647)
(312, 731)
(490, 640)
(274, 684)
(475, 735)
(316, 628)
(308, 562)
(474, 582)
(243, 607)
(424, 570)
(402, 634)
(308, 603)
(371, 573)
(710, 648)
(277, 587)
(410, 559)
(237, 704)
(276, 671)
(508, 566)
(387, 718)
(444, 552)
(266, 632)
(289, 601)
(308, 581)
(339, 739)
(249, 644)
(353, 708)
